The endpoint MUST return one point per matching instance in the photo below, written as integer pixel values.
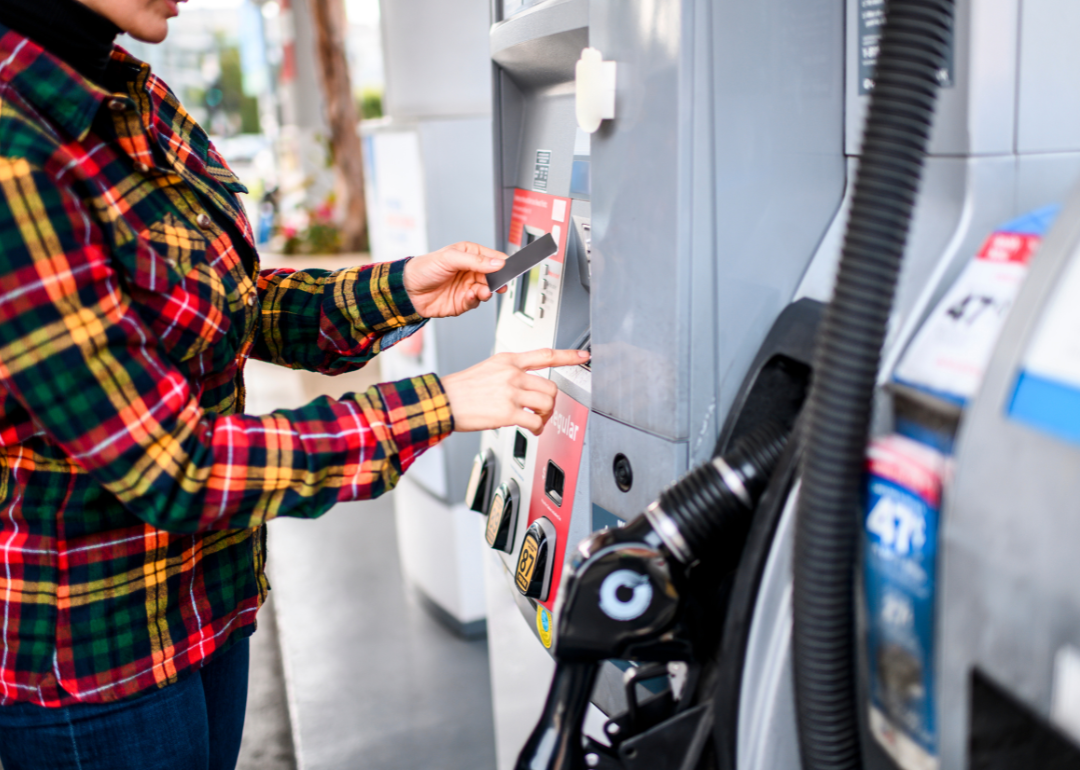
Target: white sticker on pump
(951, 350)
(558, 212)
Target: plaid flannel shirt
(133, 489)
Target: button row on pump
(547, 282)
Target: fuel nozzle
(621, 595)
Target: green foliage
(230, 86)
(323, 238)
(371, 103)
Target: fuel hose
(912, 53)
(709, 509)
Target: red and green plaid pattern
(133, 489)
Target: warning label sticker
(871, 25)
(544, 623)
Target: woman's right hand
(500, 391)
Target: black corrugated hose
(710, 515)
(847, 357)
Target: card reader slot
(554, 479)
(521, 448)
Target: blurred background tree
(341, 115)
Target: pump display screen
(527, 294)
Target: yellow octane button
(526, 565)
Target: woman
(133, 489)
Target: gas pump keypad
(502, 517)
(481, 481)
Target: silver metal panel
(581, 520)
(1048, 118)
(719, 269)
(548, 123)
(655, 461)
(539, 47)
(436, 56)
(1045, 178)
(978, 114)
(1008, 596)
(780, 166)
(640, 297)
(696, 156)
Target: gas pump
(641, 215)
(863, 692)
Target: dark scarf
(67, 29)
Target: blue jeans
(194, 724)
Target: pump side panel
(640, 308)
(1009, 568)
(780, 169)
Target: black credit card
(522, 261)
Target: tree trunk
(330, 25)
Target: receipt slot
(534, 566)
(502, 517)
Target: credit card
(522, 261)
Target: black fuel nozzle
(621, 591)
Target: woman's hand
(450, 281)
(500, 391)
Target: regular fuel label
(903, 497)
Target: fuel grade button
(502, 516)
(481, 481)
(533, 574)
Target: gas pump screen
(522, 260)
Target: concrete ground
(267, 742)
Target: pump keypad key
(533, 574)
(526, 566)
(502, 517)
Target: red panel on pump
(539, 213)
(558, 461)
